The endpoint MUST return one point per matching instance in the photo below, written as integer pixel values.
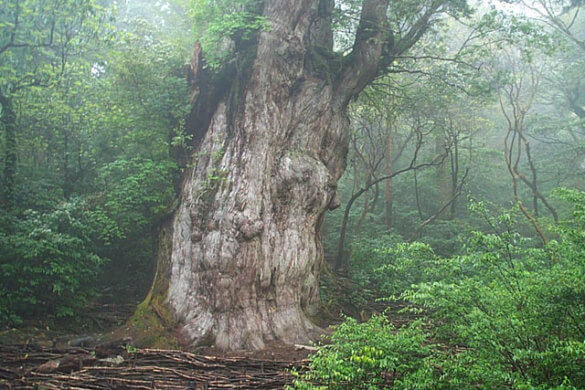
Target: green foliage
(386, 266)
(138, 192)
(98, 123)
(38, 37)
(222, 25)
(446, 236)
(505, 314)
(519, 310)
(371, 355)
(48, 262)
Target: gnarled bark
(241, 260)
(245, 252)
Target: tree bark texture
(239, 261)
(245, 252)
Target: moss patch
(153, 325)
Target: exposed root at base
(26, 367)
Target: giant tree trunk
(246, 255)
(243, 252)
(239, 261)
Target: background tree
(36, 43)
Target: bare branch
(456, 194)
(413, 166)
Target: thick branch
(416, 31)
(361, 65)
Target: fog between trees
(251, 170)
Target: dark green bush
(47, 262)
(138, 191)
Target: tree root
(143, 369)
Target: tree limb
(447, 204)
(360, 67)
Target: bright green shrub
(388, 266)
(519, 310)
(371, 355)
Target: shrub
(47, 262)
(138, 192)
(506, 314)
(370, 355)
(388, 266)
(519, 310)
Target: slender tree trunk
(443, 181)
(417, 197)
(66, 169)
(454, 157)
(376, 199)
(389, 166)
(10, 152)
(365, 209)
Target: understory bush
(508, 313)
(387, 266)
(52, 258)
(48, 262)
(370, 355)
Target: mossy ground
(152, 325)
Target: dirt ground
(67, 356)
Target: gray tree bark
(239, 261)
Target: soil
(51, 356)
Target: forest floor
(31, 367)
(57, 357)
(54, 357)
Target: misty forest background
(462, 203)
